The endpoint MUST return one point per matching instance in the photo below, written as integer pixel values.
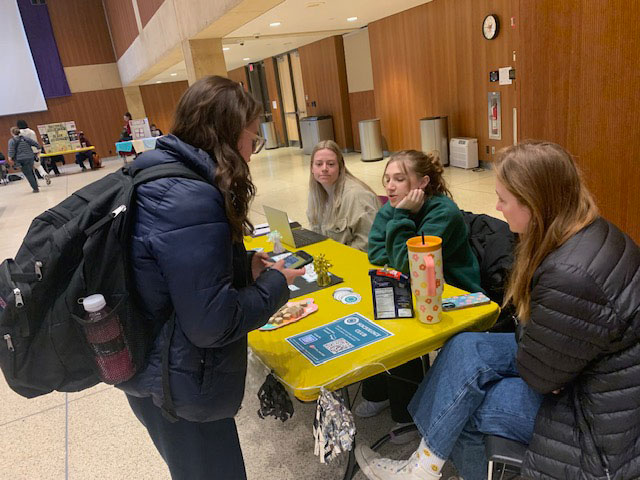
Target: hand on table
(413, 201)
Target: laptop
(297, 237)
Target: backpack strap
(164, 170)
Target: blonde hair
(423, 165)
(544, 178)
(318, 196)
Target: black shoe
(36, 191)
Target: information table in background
(66, 152)
(137, 146)
(409, 338)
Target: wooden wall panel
(433, 60)
(325, 82)
(122, 24)
(363, 107)
(81, 32)
(147, 8)
(239, 75)
(160, 102)
(98, 114)
(272, 87)
(579, 88)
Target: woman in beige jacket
(340, 206)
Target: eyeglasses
(257, 142)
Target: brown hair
(211, 115)
(14, 131)
(544, 178)
(423, 165)
(318, 196)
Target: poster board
(59, 137)
(140, 128)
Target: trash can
(370, 140)
(434, 136)
(268, 130)
(314, 129)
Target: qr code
(337, 346)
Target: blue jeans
(473, 389)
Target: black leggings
(192, 450)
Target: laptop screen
(278, 220)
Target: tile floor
(105, 441)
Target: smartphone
(297, 259)
(464, 301)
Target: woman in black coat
(188, 256)
(569, 384)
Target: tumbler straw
(422, 233)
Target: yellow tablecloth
(411, 338)
(64, 152)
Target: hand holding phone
(297, 259)
(290, 274)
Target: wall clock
(490, 26)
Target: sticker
(351, 299)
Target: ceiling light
(246, 58)
(226, 49)
(352, 19)
(174, 74)
(159, 81)
(274, 24)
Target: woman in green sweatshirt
(419, 202)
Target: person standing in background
(26, 132)
(127, 126)
(20, 152)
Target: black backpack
(75, 249)
(493, 244)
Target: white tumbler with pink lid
(427, 278)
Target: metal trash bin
(434, 136)
(370, 140)
(268, 131)
(314, 129)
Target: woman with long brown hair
(568, 384)
(188, 258)
(340, 206)
(419, 203)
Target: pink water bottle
(103, 331)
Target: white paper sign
(503, 76)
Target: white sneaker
(47, 179)
(404, 437)
(377, 468)
(366, 409)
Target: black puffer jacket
(583, 337)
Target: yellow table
(65, 152)
(411, 338)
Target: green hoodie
(439, 216)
